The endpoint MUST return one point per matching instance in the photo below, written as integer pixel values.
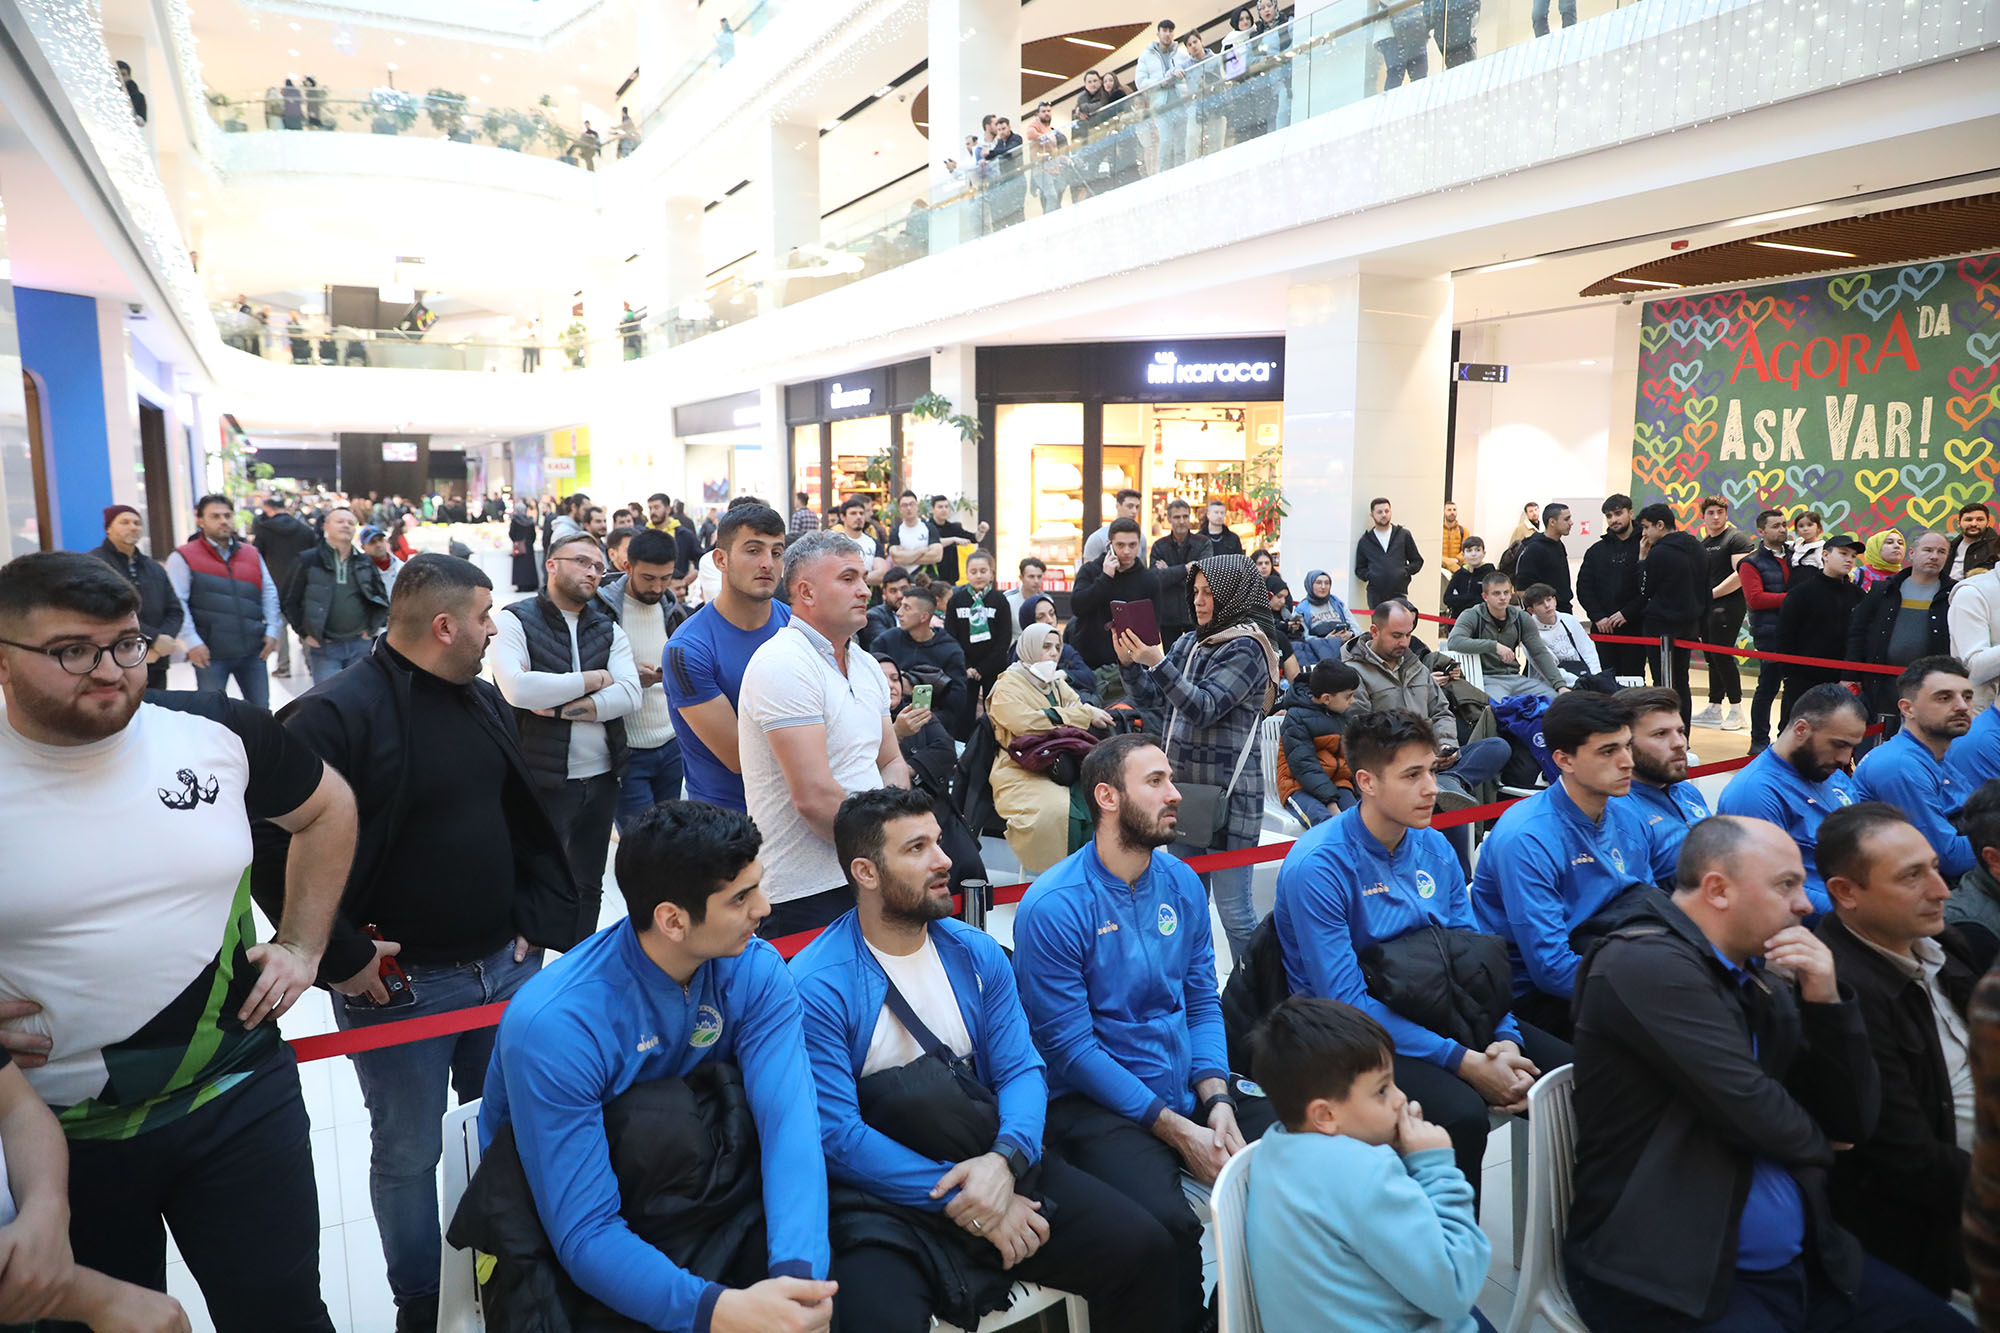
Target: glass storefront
(850, 436)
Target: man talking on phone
(458, 867)
(1119, 577)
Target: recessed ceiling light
(194, 194)
(1646, 282)
(486, 78)
(1085, 41)
(1756, 218)
(393, 67)
(1512, 263)
(884, 90)
(293, 52)
(1586, 362)
(1806, 249)
(297, 28)
(401, 42)
(1042, 73)
(572, 90)
(831, 124)
(496, 55)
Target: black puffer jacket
(1456, 983)
(160, 610)
(690, 1183)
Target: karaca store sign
(1872, 398)
(1167, 368)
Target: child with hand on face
(1355, 1202)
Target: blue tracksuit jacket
(842, 988)
(1546, 869)
(1903, 772)
(1119, 984)
(603, 1017)
(1974, 758)
(1770, 788)
(1669, 813)
(1340, 891)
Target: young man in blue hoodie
(682, 981)
(1802, 778)
(1379, 872)
(1115, 956)
(1669, 802)
(1934, 695)
(1355, 1204)
(1560, 857)
(1045, 1220)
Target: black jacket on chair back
(545, 740)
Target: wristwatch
(1209, 1104)
(1017, 1161)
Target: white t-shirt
(865, 540)
(126, 881)
(921, 978)
(645, 627)
(792, 681)
(912, 538)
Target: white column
(121, 406)
(681, 261)
(975, 71)
(943, 463)
(1624, 399)
(1368, 355)
(788, 172)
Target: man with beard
(645, 607)
(566, 667)
(1607, 587)
(135, 952)
(160, 613)
(233, 621)
(1934, 695)
(708, 653)
(458, 867)
(1660, 788)
(886, 986)
(1115, 955)
(1802, 778)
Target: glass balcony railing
(747, 20)
(438, 114)
(309, 340)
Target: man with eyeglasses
(140, 1004)
(562, 661)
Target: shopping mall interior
(1485, 252)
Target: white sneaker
(1732, 717)
(1710, 716)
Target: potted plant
(494, 126)
(573, 342)
(447, 112)
(937, 407)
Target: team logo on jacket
(1169, 921)
(1427, 886)
(1695, 809)
(1840, 797)
(1540, 744)
(707, 1027)
(1617, 859)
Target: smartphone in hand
(1139, 617)
(920, 696)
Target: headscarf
(1872, 557)
(1033, 643)
(1028, 605)
(1312, 577)
(1238, 591)
(1274, 582)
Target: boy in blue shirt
(1909, 770)
(1378, 873)
(1670, 804)
(1560, 857)
(706, 657)
(682, 981)
(1115, 956)
(1044, 1220)
(1802, 778)
(1355, 1204)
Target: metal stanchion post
(1667, 662)
(976, 896)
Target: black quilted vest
(545, 740)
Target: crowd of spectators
(793, 727)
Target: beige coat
(1036, 809)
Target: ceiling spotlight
(401, 42)
(486, 78)
(1806, 249)
(496, 55)
(393, 67)
(293, 52)
(884, 90)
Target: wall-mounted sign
(864, 393)
(1474, 372)
(399, 451)
(1168, 368)
(714, 416)
(838, 397)
(1195, 370)
(559, 467)
(745, 418)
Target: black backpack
(1511, 557)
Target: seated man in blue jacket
(1669, 802)
(1803, 778)
(1560, 857)
(1376, 873)
(682, 981)
(1115, 955)
(1934, 695)
(1044, 1220)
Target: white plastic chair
(1029, 1298)
(1269, 741)
(458, 1279)
(1473, 666)
(1228, 1202)
(1543, 1288)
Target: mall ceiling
(1868, 240)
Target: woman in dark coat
(521, 531)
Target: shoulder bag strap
(1235, 774)
(907, 1016)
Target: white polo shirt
(794, 681)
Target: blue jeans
(330, 659)
(404, 1088)
(249, 673)
(1540, 16)
(1478, 762)
(651, 776)
(1794, 1299)
(1310, 812)
(1230, 891)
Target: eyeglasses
(80, 659)
(588, 564)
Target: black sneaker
(419, 1316)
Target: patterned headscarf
(1238, 590)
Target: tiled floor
(352, 1276)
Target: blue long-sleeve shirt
(1974, 758)
(842, 989)
(1389, 1242)
(1669, 813)
(603, 1017)
(1903, 772)
(1769, 788)
(1119, 984)
(1545, 870)
(1340, 891)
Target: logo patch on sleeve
(707, 1027)
(1169, 920)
